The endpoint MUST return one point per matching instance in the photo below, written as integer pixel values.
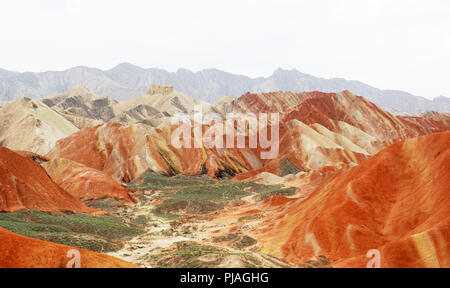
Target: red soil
(86, 183)
(17, 251)
(125, 153)
(329, 110)
(397, 202)
(25, 185)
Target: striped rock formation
(156, 107)
(316, 130)
(396, 202)
(86, 183)
(126, 152)
(24, 185)
(331, 109)
(333, 129)
(82, 107)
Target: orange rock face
(25, 185)
(327, 109)
(316, 130)
(125, 153)
(333, 129)
(397, 202)
(86, 183)
(17, 251)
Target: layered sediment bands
(30, 125)
(82, 107)
(329, 110)
(337, 111)
(24, 185)
(125, 153)
(332, 129)
(280, 102)
(312, 147)
(17, 251)
(86, 183)
(396, 202)
(155, 108)
(316, 130)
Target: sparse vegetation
(278, 192)
(141, 220)
(153, 181)
(104, 204)
(245, 242)
(188, 255)
(199, 194)
(251, 217)
(96, 233)
(167, 216)
(176, 208)
(288, 168)
(182, 198)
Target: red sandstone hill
(125, 152)
(333, 129)
(397, 202)
(17, 251)
(86, 183)
(24, 184)
(316, 130)
(328, 109)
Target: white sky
(390, 44)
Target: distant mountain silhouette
(127, 81)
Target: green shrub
(96, 233)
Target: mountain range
(128, 81)
(349, 177)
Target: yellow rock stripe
(427, 251)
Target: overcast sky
(389, 44)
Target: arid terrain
(86, 172)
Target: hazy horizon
(198, 71)
(391, 45)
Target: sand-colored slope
(32, 126)
(17, 251)
(310, 150)
(310, 147)
(156, 107)
(396, 202)
(85, 183)
(82, 107)
(24, 185)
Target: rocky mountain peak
(160, 90)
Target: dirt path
(187, 242)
